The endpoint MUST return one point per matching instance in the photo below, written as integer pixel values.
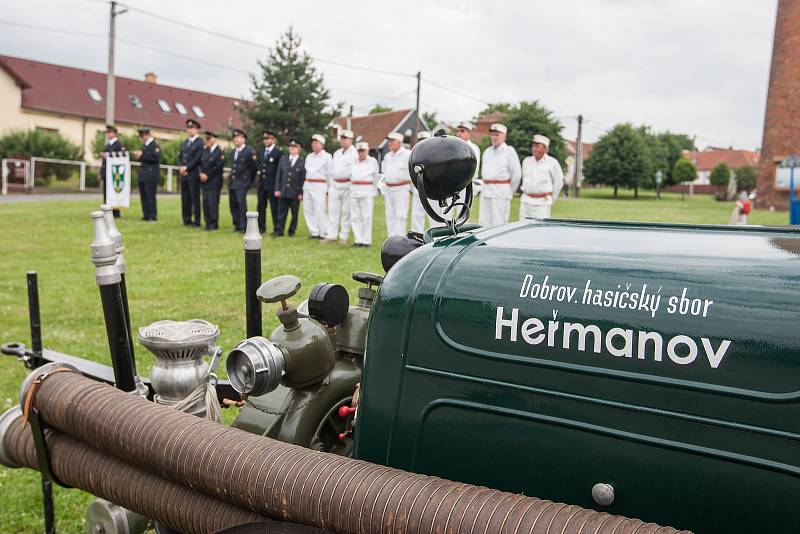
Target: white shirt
(500, 164)
(364, 178)
(318, 170)
(292, 160)
(342, 167)
(540, 177)
(395, 169)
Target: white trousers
(537, 211)
(338, 208)
(417, 212)
(396, 210)
(314, 210)
(494, 211)
(361, 219)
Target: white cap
(497, 127)
(396, 136)
(346, 133)
(542, 140)
(318, 137)
(363, 145)
(464, 125)
(423, 135)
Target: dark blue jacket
(290, 178)
(268, 168)
(243, 169)
(212, 164)
(151, 163)
(189, 156)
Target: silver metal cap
(179, 340)
(255, 366)
(252, 237)
(104, 254)
(114, 234)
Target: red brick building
(782, 120)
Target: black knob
(328, 304)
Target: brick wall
(782, 120)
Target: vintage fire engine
(590, 372)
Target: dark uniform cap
(294, 142)
(192, 122)
(209, 133)
(269, 132)
(111, 128)
(237, 131)
(143, 131)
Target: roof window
(181, 108)
(94, 94)
(164, 105)
(135, 102)
(198, 111)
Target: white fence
(23, 171)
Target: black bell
(445, 164)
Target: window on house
(135, 102)
(94, 94)
(181, 108)
(164, 106)
(198, 111)
(47, 130)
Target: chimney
(150, 77)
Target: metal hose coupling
(104, 253)
(255, 366)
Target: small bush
(26, 144)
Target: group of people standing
(337, 189)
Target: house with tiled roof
(71, 101)
(375, 127)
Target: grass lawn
(180, 273)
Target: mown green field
(180, 273)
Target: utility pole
(110, 87)
(350, 119)
(578, 157)
(417, 122)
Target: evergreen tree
(720, 174)
(746, 178)
(289, 95)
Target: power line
(50, 29)
(464, 95)
(260, 45)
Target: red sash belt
(317, 180)
(341, 180)
(496, 182)
(538, 195)
(361, 182)
(406, 182)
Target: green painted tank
(646, 370)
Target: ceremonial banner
(118, 181)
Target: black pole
(116, 329)
(124, 292)
(36, 345)
(33, 312)
(252, 274)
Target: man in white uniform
(501, 173)
(463, 133)
(318, 172)
(398, 183)
(339, 190)
(364, 181)
(542, 180)
(417, 211)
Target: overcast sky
(699, 67)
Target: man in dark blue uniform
(113, 147)
(267, 170)
(211, 165)
(244, 167)
(189, 158)
(289, 188)
(149, 173)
